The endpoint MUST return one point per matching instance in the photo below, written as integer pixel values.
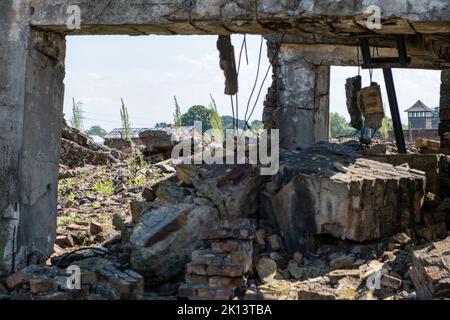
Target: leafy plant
(177, 114)
(77, 115)
(385, 128)
(216, 121)
(126, 126)
(339, 127)
(104, 186)
(197, 113)
(66, 187)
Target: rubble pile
(183, 207)
(431, 270)
(100, 279)
(93, 200)
(78, 149)
(330, 225)
(221, 263)
(337, 270)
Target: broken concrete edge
(203, 16)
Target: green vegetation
(197, 113)
(227, 122)
(126, 126)
(105, 186)
(177, 114)
(77, 115)
(215, 121)
(66, 188)
(162, 125)
(78, 218)
(385, 128)
(339, 127)
(97, 131)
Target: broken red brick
(244, 260)
(197, 269)
(391, 282)
(224, 294)
(196, 280)
(40, 285)
(227, 271)
(224, 247)
(206, 293)
(185, 291)
(222, 282)
(216, 234)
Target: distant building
(420, 116)
(116, 139)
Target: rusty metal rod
(395, 112)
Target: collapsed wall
(32, 67)
(330, 189)
(78, 149)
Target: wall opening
(96, 187)
(412, 85)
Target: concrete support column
(298, 101)
(444, 113)
(31, 101)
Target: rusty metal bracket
(395, 112)
(402, 61)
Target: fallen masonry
(188, 205)
(100, 278)
(221, 264)
(78, 149)
(431, 270)
(331, 189)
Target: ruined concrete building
(305, 38)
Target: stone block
(331, 189)
(40, 285)
(226, 271)
(197, 269)
(225, 282)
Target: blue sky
(149, 71)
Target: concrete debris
(100, 279)
(233, 189)
(436, 168)
(427, 146)
(165, 238)
(431, 270)
(267, 269)
(390, 282)
(352, 88)
(159, 142)
(228, 64)
(78, 149)
(309, 195)
(342, 262)
(274, 242)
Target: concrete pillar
(298, 101)
(444, 112)
(31, 100)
